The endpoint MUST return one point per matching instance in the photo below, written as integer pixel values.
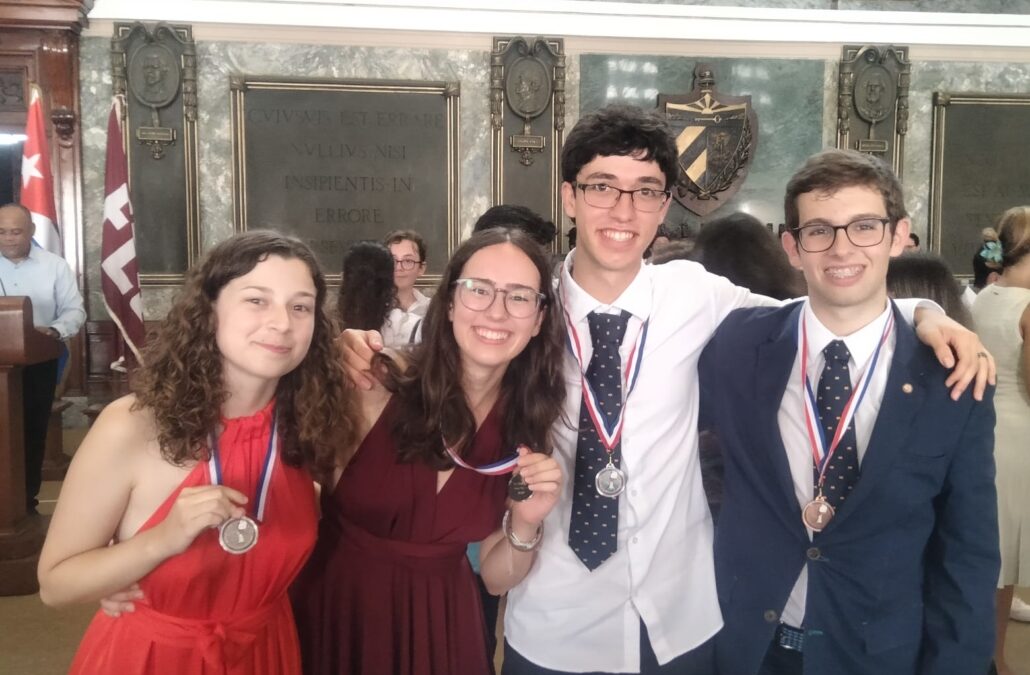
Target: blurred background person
(367, 290)
(742, 249)
(541, 230)
(925, 275)
(57, 311)
(1001, 314)
(410, 305)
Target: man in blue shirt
(57, 311)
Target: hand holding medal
(542, 477)
(197, 509)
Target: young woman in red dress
(198, 487)
(389, 589)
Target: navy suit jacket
(902, 580)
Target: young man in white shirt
(644, 599)
(404, 322)
(859, 533)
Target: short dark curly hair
(620, 130)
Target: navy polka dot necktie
(595, 519)
(833, 393)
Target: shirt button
(814, 553)
(771, 616)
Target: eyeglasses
(862, 232)
(604, 196)
(521, 302)
(406, 264)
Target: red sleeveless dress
(208, 612)
(388, 590)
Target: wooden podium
(21, 535)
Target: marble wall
(216, 61)
(795, 100)
(787, 95)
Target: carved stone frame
(180, 36)
(450, 91)
(514, 130)
(941, 102)
(856, 62)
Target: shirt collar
(636, 299)
(34, 255)
(862, 343)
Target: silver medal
(238, 535)
(610, 481)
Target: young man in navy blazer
(858, 534)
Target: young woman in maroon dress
(231, 412)
(389, 589)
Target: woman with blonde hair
(1001, 313)
(199, 485)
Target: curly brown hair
(181, 385)
(430, 399)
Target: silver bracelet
(516, 543)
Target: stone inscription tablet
(333, 162)
(979, 170)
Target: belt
(789, 637)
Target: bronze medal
(238, 535)
(518, 489)
(817, 513)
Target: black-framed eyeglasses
(604, 196)
(520, 302)
(862, 232)
(406, 264)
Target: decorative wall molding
(576, 18)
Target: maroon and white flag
(119, 271)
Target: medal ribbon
(265, 480)
(498, 468)
(608, 433)
(821, 453)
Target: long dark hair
(367, 289)
(925, 275)
(739, 247)
(181, 383)
(431, 401)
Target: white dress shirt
(565, 617)
(862, 344)
(48, 281)
(404, 327)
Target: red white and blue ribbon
(499, 468)
(265, 480)
(821, 451)
(609, 433)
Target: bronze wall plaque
(716, 136)
(155, 71)
(872, 101)
(978, 169)
(336, 161)
(527, 116)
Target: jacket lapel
(774, 364)
(902, 399)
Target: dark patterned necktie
(595, 519)
(834, 392)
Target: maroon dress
(388, 590)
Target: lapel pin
(907, 388)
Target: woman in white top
(1001, 313)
